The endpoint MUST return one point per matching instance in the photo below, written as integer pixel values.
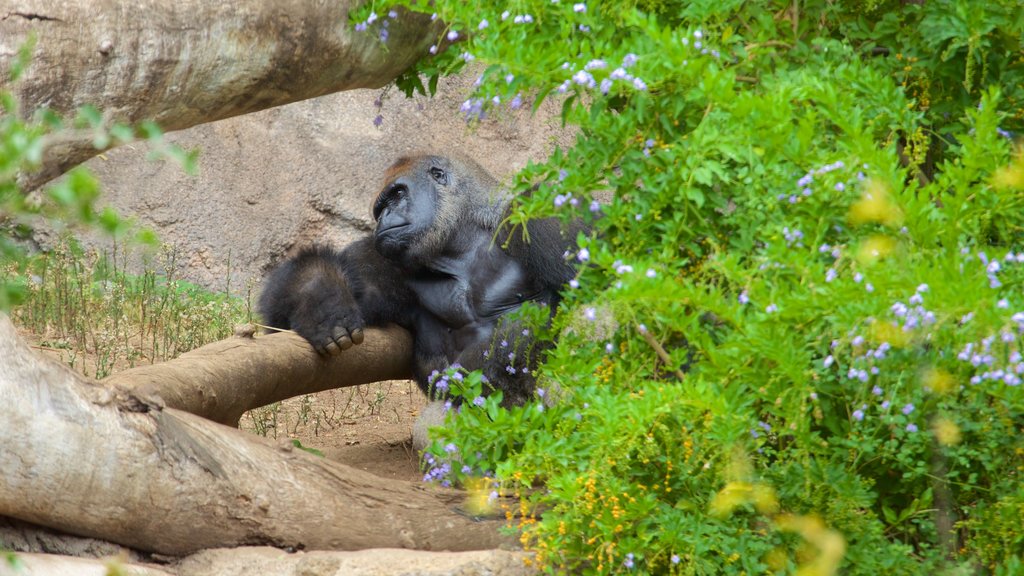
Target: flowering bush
(794, 341)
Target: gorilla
(440, 264)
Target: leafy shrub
(73, 200)
(794, 341)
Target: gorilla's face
(406, 209)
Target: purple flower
(885, 405)
(609, 348)
(590, 313)
(911, 427)
(483, 24)
(651, 273)
(584, 78)
(451, 448)
(771, 308)
(453, 35)
(831, 275)
(743, 297)
(378, 120)
(629, 60)
(620, 74)
(908, 409)
(674, 559)
(479, 401)
(858, 415)
(516, 102)
(579, 7)
(828, 361)
(639, 84)
(606, 85)
(583, 255)
(877, 391)
(433, 48)
(628, 562)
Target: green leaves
(72, 200)
(807, 210)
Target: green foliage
(85, 307)
(817, 215)
(73, 201)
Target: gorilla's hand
(328, 317)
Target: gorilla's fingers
(340, 335)
(331, 349)
(345, 342)
(357, 336)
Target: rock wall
(276, 180)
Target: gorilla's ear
(439, 175)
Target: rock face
(276, 180)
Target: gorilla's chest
(473, 291)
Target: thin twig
(660, 351)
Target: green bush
(793, 344)
(72, 201)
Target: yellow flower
(875, 205)
(946, 431)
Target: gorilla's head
(428, 202)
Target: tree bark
(272, 562)
(188, 62)
(79, 458)
(222, 380)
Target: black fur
(438, 265)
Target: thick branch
(188, 62)
(80, 459)
(221, 381)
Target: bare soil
(368, 427)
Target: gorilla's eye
(439, 176)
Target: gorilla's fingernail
(345, 342)
(357, 336)
(332, 349)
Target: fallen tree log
(272, 562)
(188, 62)
(82, 459)
(222, 380)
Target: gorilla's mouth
(392, 228)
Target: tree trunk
(272, 562)
(222, 380)
(188, 62)
(79, 458)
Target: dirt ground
(368, 427)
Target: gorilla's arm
(543, 252)
(328, 296)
